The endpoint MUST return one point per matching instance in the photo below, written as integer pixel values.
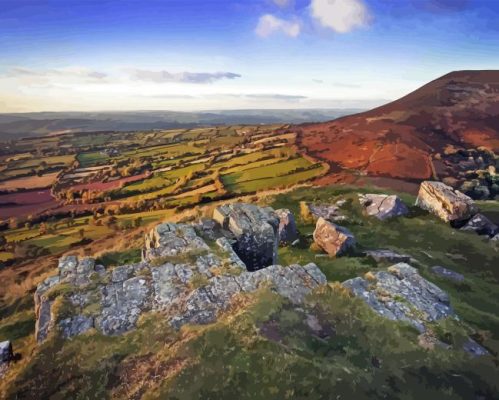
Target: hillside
(16, 126)
(418, 135)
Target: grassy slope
(235, 358)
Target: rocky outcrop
(255, 231)
(401, 294)
(75, 273)
(333, 239)
(288, 232)
(182, 277)
(446, 273)
(389, 256)
(448, 204)
(383, 206)
(481, 225)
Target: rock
(194, 288)
(72, 272)
(448, 204)
(383, 206)
(333, 239)
(474, 349)
(480, 224)
(122, 303)
(75, 326)
(170, 240)
(390, 256)
(329, 212)
(6, 353)
(255, 230)
(401, 294)
(204, 304)
(447, 273)
(287, 226)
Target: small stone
(474, 349)
(447, 273)
(383, 255)
(481, 225)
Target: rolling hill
(417, 136)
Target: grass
(116, 258)
(92, 158)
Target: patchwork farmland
(67, 190)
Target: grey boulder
(383, 206)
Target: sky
(188, 55)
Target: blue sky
(222, 54)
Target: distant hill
(16, 126)
(403, 139)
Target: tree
(3, 242)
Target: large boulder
(255, 230)
(448, 204)
(333, 239)
(383, 206)
(401, 294)
(287, 226)
(480, 224)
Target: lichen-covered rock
(71, 271)
(204, 304)
(400, 293)
(480, 224)
(194, 288)
(384, 255)
(445, 202)
(447, 273)
(333, 239)
(75, 326)
(287, 226)
(255, 230)
(122, 304)
(330, 212)
(169, 240)
(383, 206)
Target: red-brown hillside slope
(400, 139)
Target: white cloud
(181, 77)
(70, 72)
(341, 16)
(269, 24)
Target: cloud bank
(181, 77)
(73, 72)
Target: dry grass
(29, 182)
